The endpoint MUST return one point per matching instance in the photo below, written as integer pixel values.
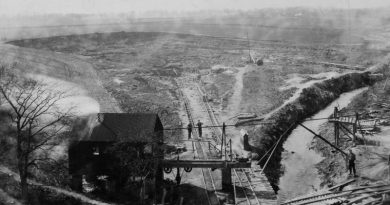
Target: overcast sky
(11, 7)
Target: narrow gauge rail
(206, 172)
(347, 196)
(246, 187)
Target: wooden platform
(352, 120)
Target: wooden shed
(93, 134)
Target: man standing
(189, 128)
(351, 163)
(199, 124)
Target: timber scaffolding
(354, 128)
(343, 124)
(239, 175)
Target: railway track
(206, 172)
(351, 196)
(241, 176)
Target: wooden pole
(163, 196)
(336, 127)
(249, 47)
(355, 127)
(231, 153)
(224, 136)
(222, 147)
(323, 139)
(234, 190)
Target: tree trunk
(24, 188)
(22, 166)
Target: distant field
(139, 68)
(260, 32)
(294, 25)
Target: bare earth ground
(372, 160)
(139, 70)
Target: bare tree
(36, 118)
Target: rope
(280, 138)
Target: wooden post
(163, 196)
(323, 139)
(355, 127)
(224, 136)
(234, 190)
(222, 146)
(231, 153)
(336, 127)
(226, 178)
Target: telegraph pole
(249, 47)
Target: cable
(270, 122)
(267, 152)
(280, 138)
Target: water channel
(301, 176)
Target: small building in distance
(90, 152)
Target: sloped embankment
(311, 100)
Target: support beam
(336, 127)
(226, 178)
(323, 139)
(346, 129)
(355, 124)
(205, 164)
(346, 133)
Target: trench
(313, 101)
(299, 159)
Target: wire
(267, 152)
(280, 138)
(260, 123)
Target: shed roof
(111, 127)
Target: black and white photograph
(194, 102)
